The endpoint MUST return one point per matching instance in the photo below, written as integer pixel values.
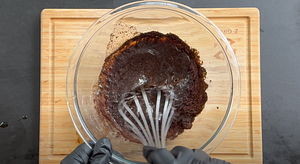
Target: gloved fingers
(147, 150)
(91, 143)
(181, 151)
(182, 154)
(200, 155)
(156, 156)
(102, 152)
(80, 155)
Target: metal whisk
(160, 119)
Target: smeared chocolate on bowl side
(153, 61)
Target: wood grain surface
(61, 29)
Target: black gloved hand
(178, 155)
(100, 154)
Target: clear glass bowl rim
(233, 64)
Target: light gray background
(20, 73)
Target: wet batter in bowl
(152, 60)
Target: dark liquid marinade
(152, 60)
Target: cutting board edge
(46, 14)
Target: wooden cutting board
(61, 29)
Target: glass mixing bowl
(223, 77)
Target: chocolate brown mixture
(152, 60)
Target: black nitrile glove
(178, 155)
(100, 154)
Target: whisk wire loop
(160, 119)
